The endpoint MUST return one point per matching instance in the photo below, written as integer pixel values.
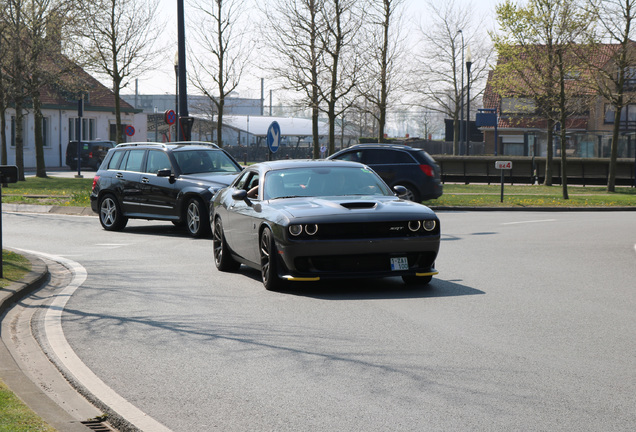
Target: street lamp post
(176, 94)
(461, 115)
(184, 123)
(469, 63)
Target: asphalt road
(529, 326)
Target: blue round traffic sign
(273, 136)
(130, 130)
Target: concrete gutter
(11, 373)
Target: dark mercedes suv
(173, 182)
(400, 165)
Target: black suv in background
(92, 153)
(173, 182)
(399, 165)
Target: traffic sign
(170, 117)
(130, 130)
(273, 136)
(503, 165)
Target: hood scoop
(359, 205)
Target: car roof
(303, 163)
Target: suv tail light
(90, 155)
(427, 169)
(95, 182)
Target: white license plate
(399, 264)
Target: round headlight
(311, 229)
(414, 225)
(295, 230)
(429, 225)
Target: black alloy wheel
(411, 193)
(269, 265)
(196, 218)
(222, 258)
(110, 214)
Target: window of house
(88, 129)
(515, 105)
(46, 142)
(628, 114)
(24, 131)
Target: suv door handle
(145, 180)
(119, 175)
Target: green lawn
(75, 192)
(478, 195)
(52, 190)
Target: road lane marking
(530, 221)
(67, 356)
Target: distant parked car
(92, 153)
(309, 220)
(399, 165)
(172, 182)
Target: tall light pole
(461, 115)
(184, 123)
(469, 63)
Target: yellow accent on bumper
(301, 279)
(433, 273)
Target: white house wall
(58, 133)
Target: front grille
(353, 264)
(369, 230)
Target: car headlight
(414, 225)
(429, 225)
(295, 230)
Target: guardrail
(527, 170)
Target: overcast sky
(162, 79)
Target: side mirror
(399, 190)
(240, 195)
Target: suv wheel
(411, 193)
(197, 219)
(110, 214)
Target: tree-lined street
(528, 327)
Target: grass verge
(49, 191)
(76, 192)
(477, 195)
(15, 416)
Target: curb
(534, 209)
(37, 208)
(10, 372)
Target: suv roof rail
(135, 144)
(205, 143)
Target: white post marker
(503, 165)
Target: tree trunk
(39, 141)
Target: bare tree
(14, 39)
(292, 32)
(536, 57)
(383, 72)
(218, 68)
(614, 76)
(341, 60)
(438, 66)
(117, 39)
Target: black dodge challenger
(307, 220)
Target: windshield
(205, 161)
(323, 181)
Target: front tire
(222, 258)
(411, 193)
(196, 218)
(269, 265)
(110, 214)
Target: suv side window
(114, 161)
(353, 156)
(157, 160)
(385, 157)
(135, 158)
